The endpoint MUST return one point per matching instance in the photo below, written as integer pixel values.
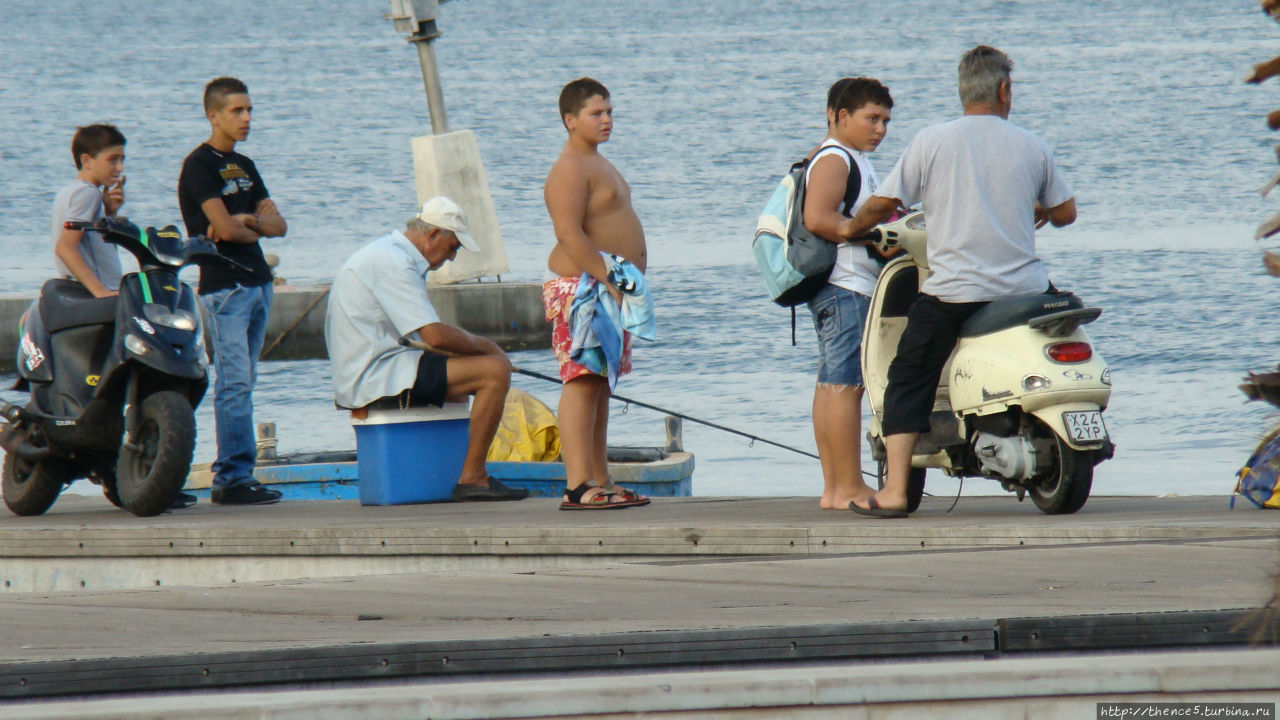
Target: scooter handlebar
(203, 247)
(873, 236)
(103, 223)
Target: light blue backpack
(795, 263)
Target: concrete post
(450, 165)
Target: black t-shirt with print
(208, 173)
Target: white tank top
(854, 269)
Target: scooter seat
(67, 304)
(1010, 312)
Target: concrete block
(449, 164)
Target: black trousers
(933, 327)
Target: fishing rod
(530, 373)
(754, 438)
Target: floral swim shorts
(557, 298)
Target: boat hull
(670, 475)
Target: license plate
(1085, 426)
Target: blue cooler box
(411, 456)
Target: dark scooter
(113, 382)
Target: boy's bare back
(589, 201)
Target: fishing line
(754, 438)
(682, 416)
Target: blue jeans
(838, 317)
(238, 326)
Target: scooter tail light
(1069, 352)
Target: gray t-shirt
(978, 178)
(82, 201)
(378, 297)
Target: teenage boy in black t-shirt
(222, 197)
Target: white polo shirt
(378, 297)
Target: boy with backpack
(838, 180)
(98, 190)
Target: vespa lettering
(989, 396)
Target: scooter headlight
(176, 319)
(1034, 383)
(135, 345)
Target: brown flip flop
(874, 510)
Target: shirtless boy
(590, 207)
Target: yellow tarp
(528, 431)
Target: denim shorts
(838, 317)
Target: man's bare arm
(224, 227)
(874, 211)
(457, 341)
(823, 194)
(565, 194)
(1062, 215)
(268, 220)
(68, 251)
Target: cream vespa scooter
(1020, 401)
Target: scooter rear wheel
(1067, 488)
(148, 478)
(30, 488)
(915, 484)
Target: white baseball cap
(445, 214)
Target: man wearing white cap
(378, 300)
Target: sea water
(1144, 104)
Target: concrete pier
(510, 314)
(1013, 609)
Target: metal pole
(418, 18)
(425, 42)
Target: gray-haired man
(986, 185)
(379, 298)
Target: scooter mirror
(201, 249)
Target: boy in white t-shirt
(839, 180)
(98, 190)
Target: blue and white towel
(597, 323)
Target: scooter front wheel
(915, 484)
(30, 488)
(1069, 481)
(149, 476)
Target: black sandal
(627, 493)
(602, 500)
